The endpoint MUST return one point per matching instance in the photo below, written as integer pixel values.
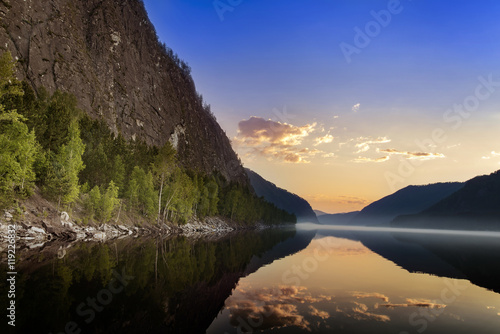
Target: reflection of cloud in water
(267, 316)
(360, 312)
(414, 303)
(317, 313)
(377, 295)
(275, 307)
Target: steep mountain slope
(480, 195)
(281, 198)
(409, 200)
(337, 218)
(106, 52)
(476, 205)
(319, 213)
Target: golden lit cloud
(413, 155)
(323, 140)
(361, 313)
(317, 313)
(273, 307)
(376, 295)
(274, 140)
(363, 144)
(365, 159)
(338, 199)
(257, 131)
(414, 303)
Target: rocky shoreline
(35, 235)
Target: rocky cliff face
(106, 52)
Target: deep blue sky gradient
(267, 55)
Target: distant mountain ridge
(337, 218)
(320, 213)
(282, 198)
(407, 201)
(475, 205)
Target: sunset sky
(344, 102)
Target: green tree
(118, 173)
(141, 193)
(163, 166)
(9, 85)
(110, 202)
(18, 147)
(92, 202)
(62, 181)
(17, 156)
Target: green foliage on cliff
(45, 139)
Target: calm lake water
(313, 279)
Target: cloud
(268, 316)
(323, 140)
(376, 295)
(256, 131)
(493, 154)
(273, 307)
(364, 143)
(413, 155)
(361, 313)
(364, 159)
(328, 155)
(317, 313)
(274, 140)
(355, 107)
(425, 303)
(338, 199)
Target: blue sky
(268, 57)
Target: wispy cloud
(364, 144)
(493, 154)
(365, 159)
(413, 155)
(414, 303)
(338, 199)
(361, 313)
(355, 107)
(317, 313)
(376, 295)
(323, 140)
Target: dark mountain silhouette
(320, 213)
(337, 218)
(474, 206)
(282, 198)
(409, 200)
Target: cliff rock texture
(106, 52)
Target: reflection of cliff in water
(178, 285)
(464, 257)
